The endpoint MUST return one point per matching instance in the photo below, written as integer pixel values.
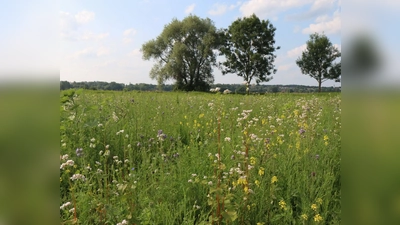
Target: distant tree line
(234, 88)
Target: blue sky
(101, 40)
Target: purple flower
(133, 168)
(161, 135)
(79, 152)
(176, 155)
(302, 131)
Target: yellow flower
(246, 189)
(326, 143)
(304, 217)
(326, 138)
(257, 183)
(282, 204)
(319, 201)
(242, 180)
(317, 218)
(252, 160)
(261, 171)
(314, 207)
(274, 179)
(260, 223)
(298, 144)
(201, 115)
(248, 207)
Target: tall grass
(194, 158)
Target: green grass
(134, 172)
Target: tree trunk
(319, 85)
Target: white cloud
(84, 17)
(233, 6)
(285, 67)
(296, 52)
(270, 8)
(321, 19)
(325, 24)
(218, 9)
(90, 52)
(128, 35)
(322, 4)
(135, 53)
(129, 32)
(103, 51)
(70, 24)
(91, 36)
(317, 8)
(190, 8)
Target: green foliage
(195, 158)
(249, 49)
(184, 53)
(318, 60)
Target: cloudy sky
(101, 40)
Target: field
(197, 158)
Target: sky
(101, 40)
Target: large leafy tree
(184, 52)
(249, 49)
(319, 60)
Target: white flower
(227, 91)
(100, 125)
(115, 117)
(210, 183)
(228, 139)
(92, 140)
(65, 205)
(107, 146)
(193, 175)
(190, 181)
(72, 210)
(68, 163)
(124, 222)
(78, 177)
(64, 157)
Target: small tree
(318, 60)
(249, 49)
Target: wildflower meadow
(199, 158)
